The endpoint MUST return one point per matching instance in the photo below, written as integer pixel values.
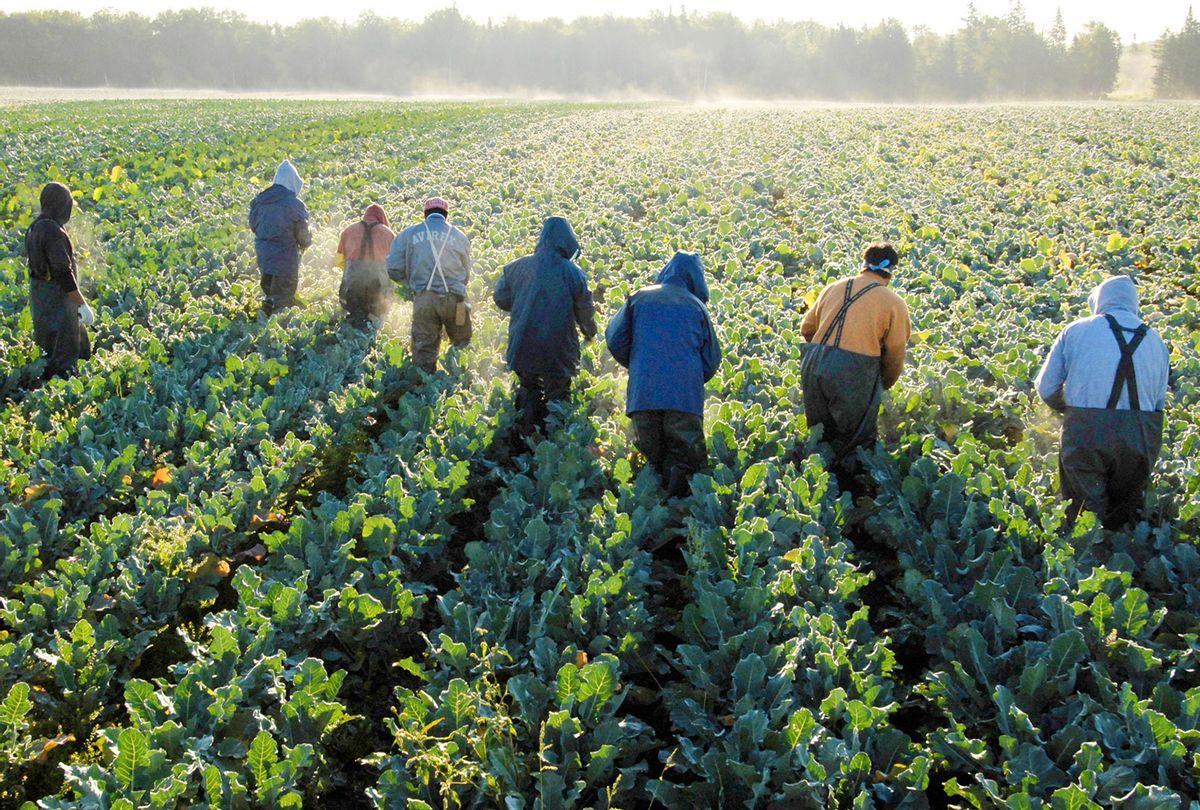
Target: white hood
(1116, 294)
(287, 176)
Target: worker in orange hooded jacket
(366, 290)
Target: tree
(1178, 73)
(680, 54)
(1093, 60)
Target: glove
(86, 316)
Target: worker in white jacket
(1108, 375)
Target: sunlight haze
(1141, 21)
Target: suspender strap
(1126, 376)
(839, 320)
(365, 248)
(437, 257)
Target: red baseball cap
(436, 204)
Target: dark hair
(881, 258)
(441, 211)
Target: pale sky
(1143, 19)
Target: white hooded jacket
(1082, 364)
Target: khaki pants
(434, 313)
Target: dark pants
(534, 393)
(279, 292)
(365, 291)
(673, 444)
(1106, 460)
(432, 313)
(56, 329)
(842, 392)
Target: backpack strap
(1126, 377)
(839, 320)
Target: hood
(1118, 293)
(558, 236)
(57, 203)
(287, 176)
(685, 270)
(376, 214)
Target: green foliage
(251, 561)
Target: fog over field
(980, 54)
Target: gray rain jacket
(412, 257)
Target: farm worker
(280, 224)
(362, 254)
(664, 336)
(434, 259)
(1108, 375)
(550, 304)
(856, 337)
(59, 311)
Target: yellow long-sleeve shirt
(877, 324)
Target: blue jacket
(548, 297)
(280, 224)
(664, 336)
(1082, 363)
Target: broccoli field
(252, 561)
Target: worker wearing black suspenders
(59, 312)
(856, 333)
(366, 290)
(1108, 375)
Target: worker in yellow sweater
(856, 335)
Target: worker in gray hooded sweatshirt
(1108, 375)
(280, 224)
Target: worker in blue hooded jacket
(550, 303)
(1108, 375)
(664, 336)
(280, 224)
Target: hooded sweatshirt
(664, 336)
(47, 246)
(550, 303)
(280, 224)
(351, 245)
(1082, 364)
(419, 251)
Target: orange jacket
(350, 246)
(877, 324)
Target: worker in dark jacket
(433, 259)
(362, 254)
(857, 334)
(1108, 375)
(280, 224)
(548, 297)
(664, 336)
(60, 314)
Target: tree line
(675, 55)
